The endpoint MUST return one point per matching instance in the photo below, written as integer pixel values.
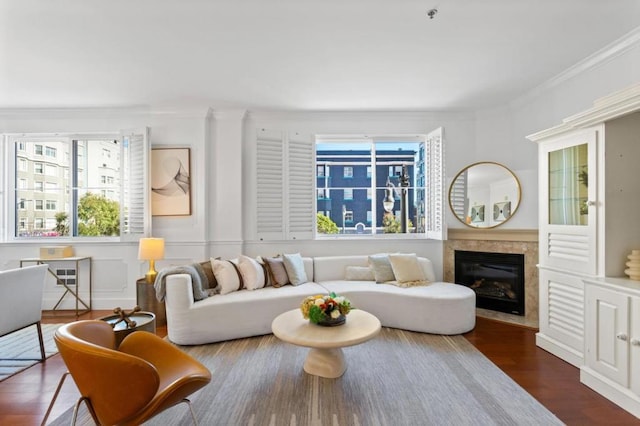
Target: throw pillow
(406, 268)
(211, 283)
(226, 275)
(199, 286)
(427, 269)
(277, 272)
(251, 272)
(359, 273)
(294, 266)
(381, 267)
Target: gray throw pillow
(295, 268)
(381, 267)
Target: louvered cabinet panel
(562, 314)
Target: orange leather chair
(128, 385)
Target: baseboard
(560, 350)
(615, 393)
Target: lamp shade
(151, 249)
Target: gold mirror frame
(491, 206)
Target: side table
(146, 299)
(145, 321)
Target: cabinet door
(607, 340)
(568, 177)
(562, 309)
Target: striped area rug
(24, 344)
(398, 378)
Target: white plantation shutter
(435, 226)
(300, 187)
(270, 185)
(459, 195)
(135, 214)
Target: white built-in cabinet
(612, 350)
(589, 196)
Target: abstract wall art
(170, 182)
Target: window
(375, 166)
(348, 216)
(50, 170)
(23, 166)
(50, 152)
(320, 171)
(348, 193)
(78, 200)
(287, 168)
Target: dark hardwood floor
(24, 398)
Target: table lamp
(151, 249)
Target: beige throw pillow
(407, 269)
(226, 275)
(359, 273)
(251, 272)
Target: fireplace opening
(497, 279)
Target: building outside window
(51, 204)
(38, 168)
(37, 149)
(370, 169)
(38, 204)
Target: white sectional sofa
(438, 308)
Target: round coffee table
(325, 359)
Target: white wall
(223, 153)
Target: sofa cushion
(294, 266)
(226, 275)
(381, 267)
(252, 273)
(359, 273)
(277, 272)
(407, 269)
(427, 269)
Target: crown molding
(607, 53)
(606, 108)
(101, 112)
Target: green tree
(98, 216)
(326, 225)
(392, 225)
(62, 226)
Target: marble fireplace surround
(521, 241)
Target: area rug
(398, 378)
(15, 347)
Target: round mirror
(484, 195)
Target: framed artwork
(170, 182)
(477, 214)
(501, 211)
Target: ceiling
(296, 54)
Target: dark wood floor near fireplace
(553, 382)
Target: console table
(69, 288)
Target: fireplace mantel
(493, 234)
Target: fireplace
(497, 279)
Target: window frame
(373, 139)
(135, 197)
